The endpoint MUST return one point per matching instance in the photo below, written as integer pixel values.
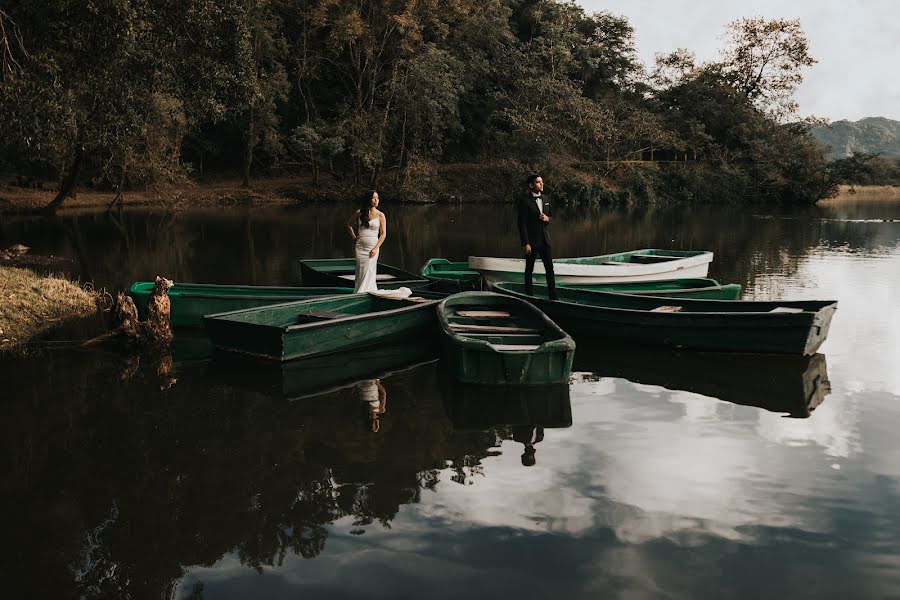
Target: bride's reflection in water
(373, 395)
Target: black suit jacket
(531, 229)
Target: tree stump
(155, 332)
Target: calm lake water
(656, 474)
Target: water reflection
(654, 474)
(792, 385)
(262, 245)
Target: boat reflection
(320, 375)
(783, 384)
(516, 413)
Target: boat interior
(640, 257)
(504, 327)
(672, 305)
(301, 313)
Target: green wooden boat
(189, 302)
(708, 289)
(492, 339)
(782, 327)
(791, 385)
(475, 407)
(342, 272)
(451, 277)
(321, 326)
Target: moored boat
(709, 289)
(342, 272)
(636, 265)
(189, 302)
(780, 327)
(492, 339)
(315, 327)
(452, 277)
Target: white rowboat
(623, 267)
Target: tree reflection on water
(115, 482)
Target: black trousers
(547, 259)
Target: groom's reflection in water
(372, 393)
(529, 436)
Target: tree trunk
(248, 153)
(67, 187)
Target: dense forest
(427, 98)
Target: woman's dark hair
(364, 204)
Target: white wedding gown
(367, 267)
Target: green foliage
(121, 91)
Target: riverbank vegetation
(427, 100)
(31, 303)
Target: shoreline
(298, 190)
(32, 304)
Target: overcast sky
(857, 44)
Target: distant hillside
(872, 134)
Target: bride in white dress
(371, 229)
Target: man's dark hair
(532, 178)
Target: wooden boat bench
(522, 347)
(643, 259)
(319, 315)
(464, 328)
(483, 314)
(378, 277)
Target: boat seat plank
(474, 335)
(786, 309)
(461, 327)
(378, 277)
(652, 258)
(483, 314)
(667, 309)
(515, 346)
(319, 315)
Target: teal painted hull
(322, 326)
(524, 348)
(710, 325)
(701, 288)
(190, 302)
(451, 277)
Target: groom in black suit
(534, 220)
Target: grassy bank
(31, 304)
(570, 182)
(882, 191)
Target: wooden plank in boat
(378, 277)
(484, 314)
(460, 327)
(667, 309)
(515, 346)
(786, 309)
(319, 315)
